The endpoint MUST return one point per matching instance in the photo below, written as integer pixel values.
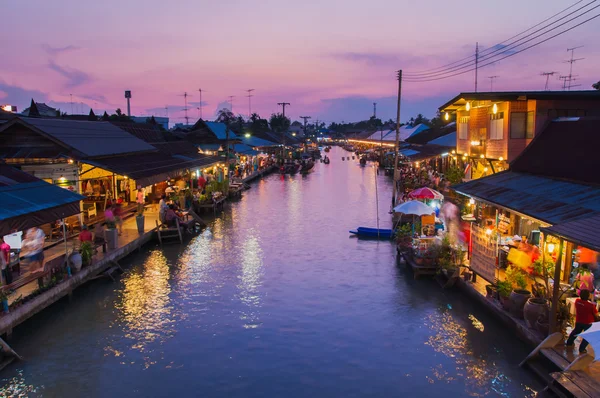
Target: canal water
(273, 299)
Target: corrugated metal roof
(448, 140)
(22, 194)
(546, 199)
(219, 130)
(257, 142)
(584, 231)
(150, 168)
(89, 138)
(244, 149)
(409, 152)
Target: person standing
(586, 314)
(85, 235)
(5, 261)
(34, 247)
(162, 208)
(585, 279)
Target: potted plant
(140, 220)
(404, 237)
(504, 290)
(111, 234)
(520, 295)
(86, 251)
(76, 260)
(4, 299)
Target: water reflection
(17, 387)
(479, 375)
(144, 307)
(251, 280)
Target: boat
(380, 233)
(326, 160)
(363, 161)
(308, 166)
(326, 149)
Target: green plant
(110, 224)
(3, 296)
(516, 277)
(86, 252)
(455, 174)
(504, 288)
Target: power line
(510, 38)
(509, 55)
(503, 49)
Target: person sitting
(85, 235)
(586, 314)
(171, 217)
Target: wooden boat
(308, 166)
(326, 160)
(380, 233)
(363, 161)
(326, 149)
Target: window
(521, 124)
(463, 128)
(497, 126)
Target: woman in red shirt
(586, 313)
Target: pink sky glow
(329, 59)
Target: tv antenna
(492, 78)
(185, 108)
(547, 74)
(571, 61)
(200, 105)
(249, 91)
(231, 97)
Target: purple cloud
(74, 77)
(53, 51)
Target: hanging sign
(484, 253)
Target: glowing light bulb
(468, 107)
(446, 116)
(495, 109)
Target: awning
(26, 201)
(549, 200)
(150, 168)
(583, 231)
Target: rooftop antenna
(166, 111)
(571, 77)
(547, 74)
(492, 82)
(185, 108)
(249, 91)
(71, 103)
(231, 97)
(374, 110)
(200, 105)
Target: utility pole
(71, 103)
(305, 120)
(283, 104)
(231, 97)
(476, 63)
(492, 82)
(249, 102)
(547, 74)
(374, 110)
(398, 138)
(572, 61)
(166, 111)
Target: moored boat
(366, 232)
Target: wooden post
(158, 232)
(179, 230)
(556, 289)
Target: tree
(596, 85)
(296, 124)
(119, 112)
(279, 123)
(225, 116)
(258, 125)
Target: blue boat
(380, 233)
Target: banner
(484, 252)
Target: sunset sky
(330, 59)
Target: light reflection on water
(274, 299)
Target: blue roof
(409, 152)
(219, 130)
(244, 149)
(257, 142)
(546, 199)
(446, 140)
(21, 195)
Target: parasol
(425, 193)
(414, 207)
(592, 335)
